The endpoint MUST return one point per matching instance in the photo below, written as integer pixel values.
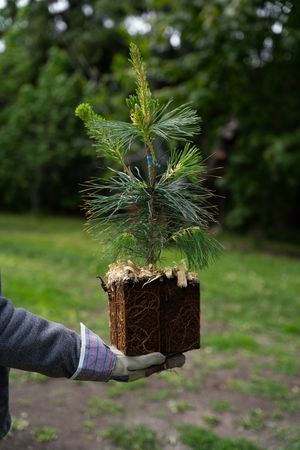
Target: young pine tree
(143, 214)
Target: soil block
(157, 316)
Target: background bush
(236, 61)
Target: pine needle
(199, 247)
(187, 162)
(181, 123)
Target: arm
(29, 342)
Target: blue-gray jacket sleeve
(29, 342)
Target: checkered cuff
(97, 361)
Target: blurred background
(238, 62)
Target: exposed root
(150, 313)
(120, 272)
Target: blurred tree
(237, 61)
(39, 139)
(240, 60)
(53, 54)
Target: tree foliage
(231, 60)
(53, 54)
(241, 59)
(144, 214)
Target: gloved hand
(130, 368)
(100, 362)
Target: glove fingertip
(175, 361)
(159, 356)
(151, 359)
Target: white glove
(130, 368)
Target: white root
(119, 272)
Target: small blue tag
(150, 160)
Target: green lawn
(50, 266)
(250, 315)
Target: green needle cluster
(143, 214)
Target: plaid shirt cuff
(97, 361)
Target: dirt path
(78, 412)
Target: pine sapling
(143, 214)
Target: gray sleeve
(31, 343)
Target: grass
(254, 293)
(89, 426)
(23, 377)
(178, 406)
(287, 365)
(159, 395)
(98, 406)
(280, 394)
(232, 342)
(45, 434)
(50, 266)
(179, 382)
(289, 435)
(19, 423)
(135, 438)
(222, 405)
(220, 363)
(199, 438)
(255, 420)
(115, 389)
(212, 420)
(266, 388)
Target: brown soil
(156, 316)
(179, 316)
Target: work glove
(130, 368)
(101, 362)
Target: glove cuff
(97, 361)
